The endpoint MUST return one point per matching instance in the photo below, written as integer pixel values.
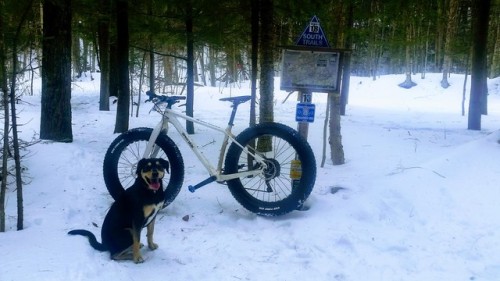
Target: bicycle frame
(171, 116)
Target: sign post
(311, 66)
(304, 113)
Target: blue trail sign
(305, 112)
(313, 35)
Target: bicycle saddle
(237, 100)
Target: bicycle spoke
(278, 187)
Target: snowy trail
(418, 198)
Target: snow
(417, 198)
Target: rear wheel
(287, 180)
(122, 156)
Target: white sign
(305, 70)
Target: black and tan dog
(136, 208)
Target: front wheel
(290, 171)
(122, 156)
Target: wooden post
(303, 127)
(336, 148)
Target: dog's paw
(138, 259)
(153, 246)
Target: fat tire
(249, 191)
(171, 152)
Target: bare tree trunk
(495, 60)
(151, 70)
(440, 33)
(15, 138)
(478, 93)
(337, 150)
(104, 55)
(15, 141)
(5, 104)
(211, 65)
(202, 66)
(141, 80)
(55, 121)
(426, 51)
(196, 76)
(170, 77)
(346, 59)
(266, 69)
(325, 129)
(77, 60)
(408, 83)
(190, 65)
(85, 57)
(151, 53)
(464, 89)
(123, 108)
(450, 33)
(266, 62)
(255, 56)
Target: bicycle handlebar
(169, 100)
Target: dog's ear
(165, 164)
(140, 165)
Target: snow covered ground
(418, 197)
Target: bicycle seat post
(236, 101)
(233, 114)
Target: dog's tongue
(155, 185)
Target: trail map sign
(311, 65)
(306, 70)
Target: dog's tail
(92, 239)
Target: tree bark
(266, 62)
(202, 66)
(55, 121)
(408, 83)
(151, 53)
(77, 60)
(212, 64)
(104, 49)
(495, 60)
(346, 71)
(266, 70)
(440, 34)
(15, 137)
(123, 108)
(337, 149)
(450, 33)
(190, 65)
(255, 56)
(5, 104)
(478, 93)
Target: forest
(169, 46)
(219, 39)
(385, 36)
